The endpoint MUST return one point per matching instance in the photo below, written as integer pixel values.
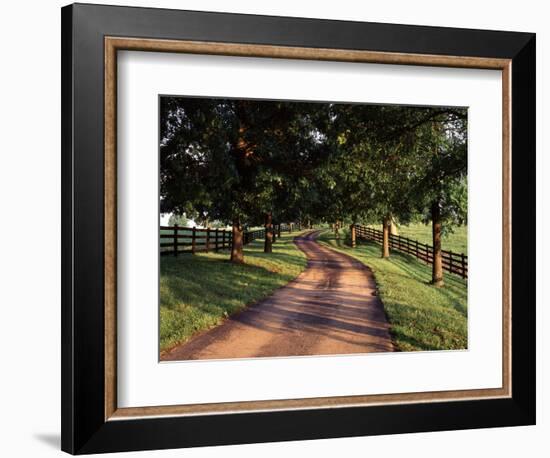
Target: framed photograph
(281, 228)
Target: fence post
(463, 262)
(416, 249)
(193, 239)
(175, 239)
(451, 261)
(216, 241)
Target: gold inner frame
(114, 44)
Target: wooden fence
(175, 240)
(456, 263)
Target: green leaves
(324, 161)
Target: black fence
(456, 263)
(175, 240)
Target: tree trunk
(279, 230)
(437, 267)
(353, 238)
(386, 227)
(337, 230)
(237, 255)
(268, 244)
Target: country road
(330, 308)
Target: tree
(180, 220)
(268, 243)
(235, 155)
(373, 172)
(441, 185)
(259, 162)
(200, 154)
(422, 165)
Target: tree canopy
(238, 160)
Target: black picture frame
(84, 429)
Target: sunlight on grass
(422, 317)
(457, 241)
(199, 291)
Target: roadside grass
(457, 241)
(422, 317)
(198, 292)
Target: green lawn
(457, 241)
(422, 317)
(199, 291)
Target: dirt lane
(330, 308)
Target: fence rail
(456, 263)
(175, 240)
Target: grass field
(199, 291)
(457, 241)
(422, 317)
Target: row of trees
(250, 161)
